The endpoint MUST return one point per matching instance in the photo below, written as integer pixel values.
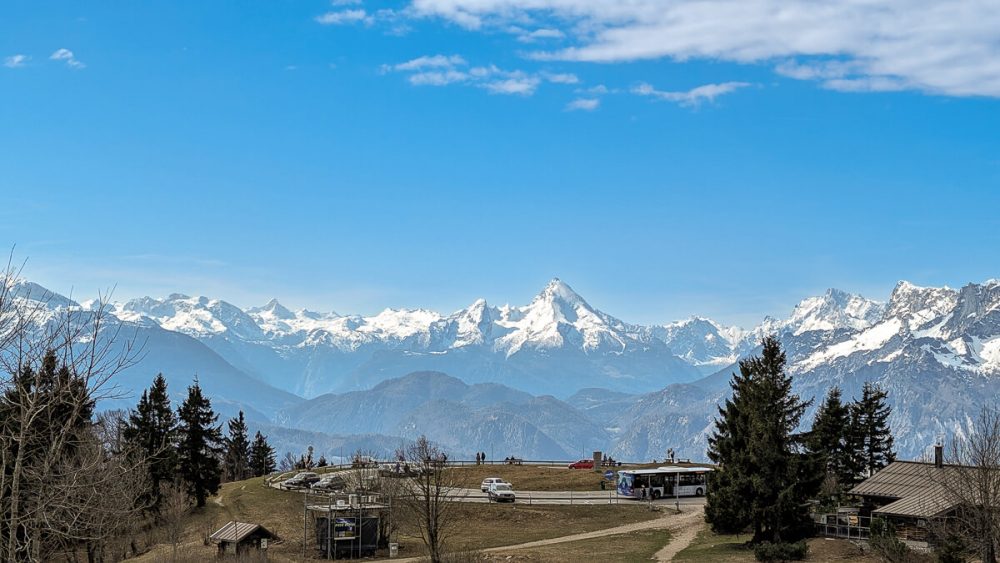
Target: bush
(884, 543)
(768, 551)
(951, 550)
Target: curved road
(542, 497)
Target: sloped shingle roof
(915, 486)
(237, 532)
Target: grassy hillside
(479, 525)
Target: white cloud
(343, 17)
(598, 90)
(442, 70)
(517, 83)
(539, 34)
(15, 61)
(561, 78)
(692, 97)
(948, 48)
(583, 104)
(437, 78)
(436, 61)
(66, 55)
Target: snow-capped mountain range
(556, 344)
(937, 351)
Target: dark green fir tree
(261, 456)
(152, 430)
(200, 445)
(237, 450)
(871, 436)
(765, 475)
(830, 439)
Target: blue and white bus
(663, 482)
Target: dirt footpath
(683, 530)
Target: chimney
(938, 455)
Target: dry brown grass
(630, 547)
(480, 525)
(709, 547)
(490, 525)
(537, 478)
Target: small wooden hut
(236, 538)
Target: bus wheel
(656, 494)
(698, 492)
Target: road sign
(609, 474)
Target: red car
(582, 464)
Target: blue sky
(665, 161)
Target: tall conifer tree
(200, 445)
(237, 449)
(261, 456)
(152, 429)
(728, 447)
(830, 439)
(765, 477)
(872, 441)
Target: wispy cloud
(692, 97)
(67, 56)
(16, 61)
(438, 78)
(560, 78)
(536, 35)
(442, 70)
(435, 61)
(937, 47)
(343, 17)
(583, 104)
(517, 83)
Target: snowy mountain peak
(920, 307)
(31, 291)
(701, 342)
(559, 316)
(558, 290)
(835, 309)
(273, 309)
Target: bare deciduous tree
(57, 360)
(971, 482)
(429, 505)
(94, 497)
(175, 505)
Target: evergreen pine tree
(830, 440)
(871, 437)
(200, 445)
(727, 447)
(152, 428)
(765, 477)
(237, 449)
(261, 456)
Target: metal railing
(843, 525)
